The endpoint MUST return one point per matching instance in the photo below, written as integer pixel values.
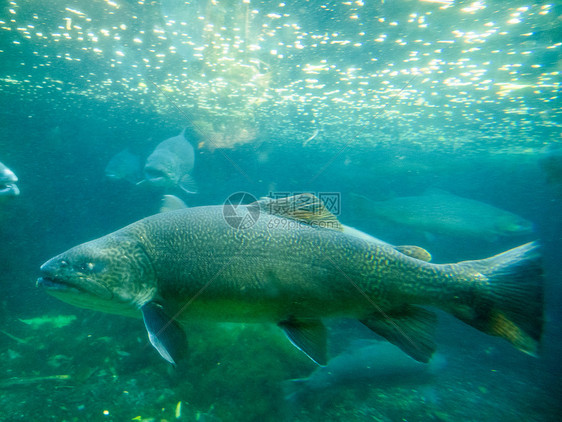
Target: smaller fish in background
(57, 321)
(365, 361)
(170, 165)
(442, 213)
(124, 166)
(8, 179)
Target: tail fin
(509, 302)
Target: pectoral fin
(411, 328)
(164, 333)
(309, 336)
(188, 184)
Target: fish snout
(8, 176)
(51, 277)
(54, 263)
(528, 229)
(515, 226)
(52, 267)
(521, 228)
(64, 274)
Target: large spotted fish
(292, 263)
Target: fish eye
(86, 266)
(90, 267)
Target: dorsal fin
(305, 208)
(414, 252)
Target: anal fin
(309, 336)
(410, 328)
(164, 333)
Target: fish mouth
(9, 189)
(527, 230)
(91, 295)
(521, 229)
(156, 179)
(57, 285)
(113, 176)
(154, 175)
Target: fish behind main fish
(170, 165)
(364, 361)
(124, 166)
(57, 321)
(440, 212)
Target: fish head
(111, 274)
(162, 169)
(8, 181)
(513, 225)
(124, 166)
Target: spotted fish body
(255, 279)
(191, 264)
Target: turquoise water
(382, 99)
